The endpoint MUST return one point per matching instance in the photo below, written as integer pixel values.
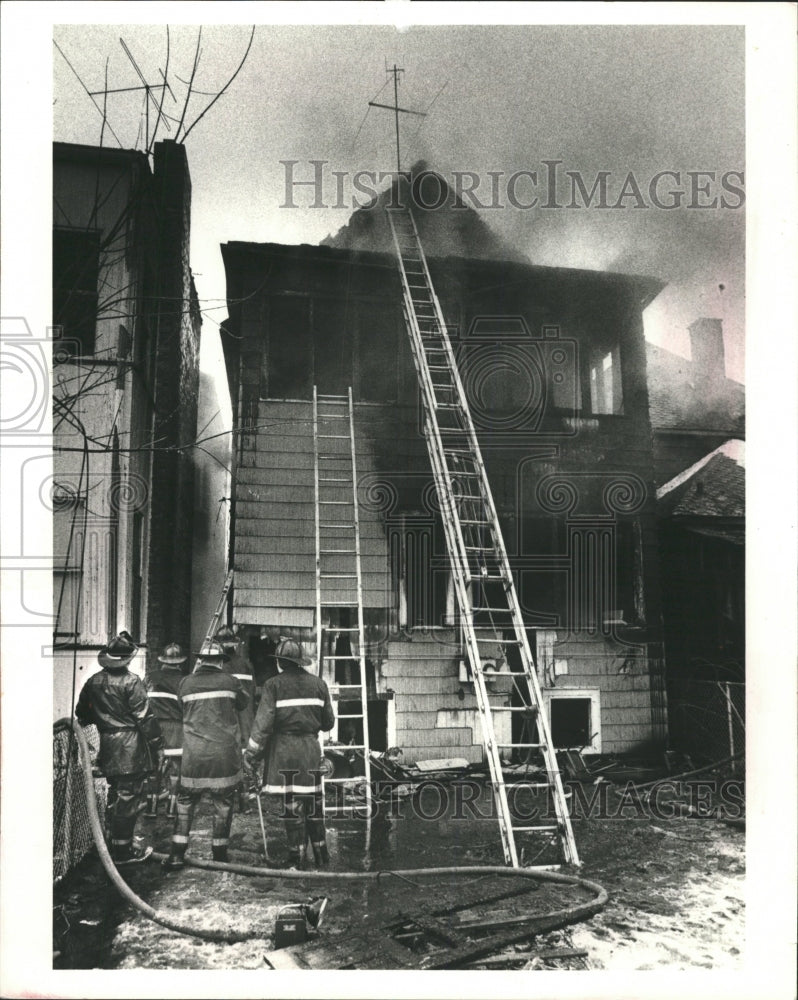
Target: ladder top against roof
(480, 567)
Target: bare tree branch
(191, 80)
(224, 88)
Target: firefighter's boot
(176, 857)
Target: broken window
(571, 722)
(289, 368)
(606, 391)
(76, 266)
(377, 353)
(67, 547)
(332, 345)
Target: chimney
(706, 346)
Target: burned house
(126, 335)
(553, 362)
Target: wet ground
(675, 887)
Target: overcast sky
(618, 99)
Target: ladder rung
(324, 552)
(483, 524)
(338, 576)
(332, 416)
(343, 456)
(334, 628)
(341, 781)
(513, 708)
(331, 524)
(504, 642)
(334, 479)
(530, 829)
(519, 746)
(337, 501)
(340, 437)
(340, 604)
(352, 716)
(503, 611)
(342, 399)
(337, 687)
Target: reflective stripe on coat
(210, 700)
(238, 666)
(163, 686)
(294, 707)
(130, 737)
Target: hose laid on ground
(558, 918)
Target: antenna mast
(395, 71)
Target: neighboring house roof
(681, 399)
(713, 487)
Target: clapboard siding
(275, 551)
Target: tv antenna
(148, 89)
(395, 71)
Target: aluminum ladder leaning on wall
(489, 611)
(217, 615)
(338, 568)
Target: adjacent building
(126, 337)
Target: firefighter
(238, 666)
(210, 700)
(294, 707)
(163, 686)
(115, 700)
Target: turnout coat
(130, 737)
(238, 666)
(294, 707)
(211, 699)
(163, 687)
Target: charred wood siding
(275, 559)
(276, 290)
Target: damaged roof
(712, 487)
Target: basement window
(575, 719)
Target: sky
(500, 99)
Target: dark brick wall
(175, 392)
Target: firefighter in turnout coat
(210, 700)
(115, 700)
(163, 686)
(238, 666)
(294, 707)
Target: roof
(713, 487)
(77, 152)
(646, 287)
(679, 399)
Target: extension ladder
(488, 605)
(217, 615)
(338, 567)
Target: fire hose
(549, 921)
